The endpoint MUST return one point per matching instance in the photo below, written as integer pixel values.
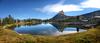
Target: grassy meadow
(90, 36)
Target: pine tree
(8, 20)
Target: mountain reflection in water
(53, 29)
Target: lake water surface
(53, 29)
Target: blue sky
(45, 9)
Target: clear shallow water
(47, 29)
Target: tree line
(7, 20)
(10, 20)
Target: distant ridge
(95, 14)
(88, 16)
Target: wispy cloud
(91, 4)
(69, 7)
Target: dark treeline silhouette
(7, 20)
(10, 20)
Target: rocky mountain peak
(61, 12)
(59, 16)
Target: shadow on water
(61, 26)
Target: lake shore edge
(88, 36)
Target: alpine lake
(48, 29)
